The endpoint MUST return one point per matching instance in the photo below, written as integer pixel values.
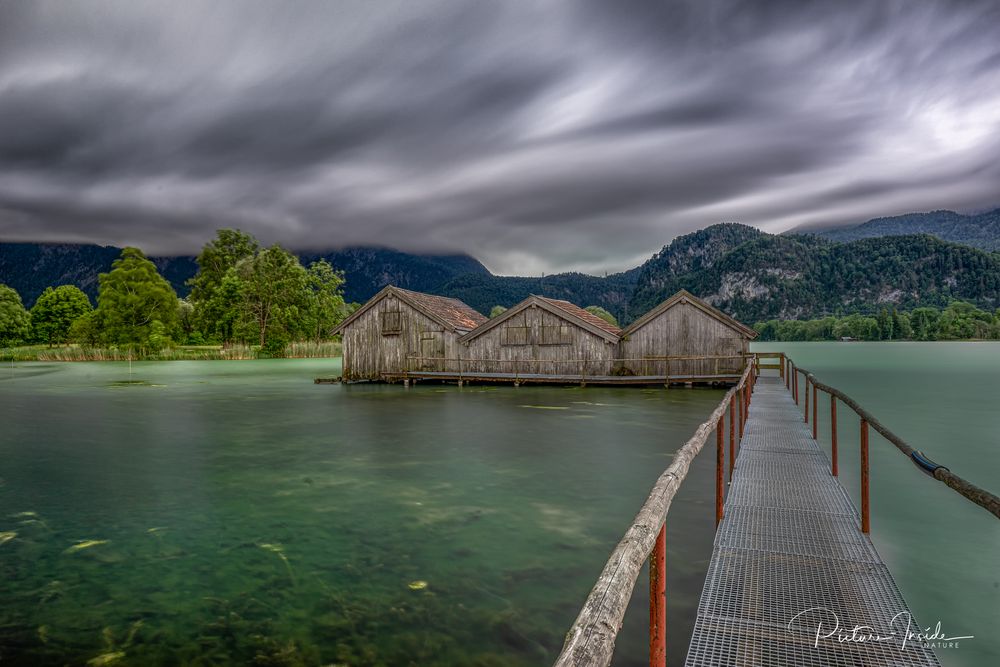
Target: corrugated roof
(456, 313)
(582, 314)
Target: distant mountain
(370, 269)
(31, 267)
(483, 291)
(794, 277)
(979, 231)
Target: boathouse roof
(685, 297)
(451, 313)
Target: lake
(235, 512)
(942, 398)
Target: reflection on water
(234, 512)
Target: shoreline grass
(72, 352)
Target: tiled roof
(456, 313)
(582, 314)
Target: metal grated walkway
(791, 541)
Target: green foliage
(210, 297)
(603, 314)
(217, 257)
(15, 323)
(497, 311)
(324, 302)
(959, 321)
(55, 311)
(133, 296)
(272, 292)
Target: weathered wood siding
(535, 341)
(370, 349)
(683, 330)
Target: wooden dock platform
(560, 378)
(791, 564)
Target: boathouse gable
(399, 330)
(542, 336)
(685, 326)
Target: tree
(15, 323)
(272, 289)
(497, 311)
(132, 297)
(325, 307)
(603, 314)
(55, 312)
(218, 257)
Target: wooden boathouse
(398, 331)
(543, 336)
(407, 336)
(685, 336)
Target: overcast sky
(537, 136)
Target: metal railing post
(732, 434)
(720, 464)
(815, 401)
(658, 601)
(833, 435)
(865, 508)
(805, 414)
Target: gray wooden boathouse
(399, 331)
(401, 335)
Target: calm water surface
(215, 513)
(944, 399)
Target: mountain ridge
(751, 274)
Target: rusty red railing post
(658, 601)
(743, 413)
(720, 465)
(732, 434)
(805, 415)
(833, 435)
(795, 387)
(865, 516)
(815, 402)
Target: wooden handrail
(988, 501)
(591, 640)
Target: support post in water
(833, 435)
(720, 465)
(815, 401)
(865, 517)
(732, 434)
(658, 601)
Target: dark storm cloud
(536, 136)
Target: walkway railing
(591, 640)
(981, 497)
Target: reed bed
(297, 350)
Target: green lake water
(214, 513)
(942, 398)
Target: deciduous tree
(55, 312)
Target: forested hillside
(804, 277)
(979, 231)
